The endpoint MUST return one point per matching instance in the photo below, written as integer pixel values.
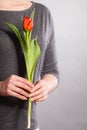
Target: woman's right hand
(16, 86)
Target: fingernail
(30, 95)
(25, 98)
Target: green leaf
(34, 54)
(32, 14)
(17, 33)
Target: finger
(14, 94)
(20, 91)
(40, 97)
(41, 90)
(38, 85)
(21, 85)
(35, 93)
(21, 79)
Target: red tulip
(27, 24)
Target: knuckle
(22, 85)
(42, 82)
(44, 88)
(36, 93)
(12, 76)
(25, 87)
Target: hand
(39, 92)
(16, 86)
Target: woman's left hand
(39, 92)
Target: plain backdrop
(66, 107)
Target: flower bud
(27, 24)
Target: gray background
(66, 107)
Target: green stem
(29, 100)
(29, 113)
(28, 38)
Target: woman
(15, 89)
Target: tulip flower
(30, 48)
(27, 24)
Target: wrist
(51, 82)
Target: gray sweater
(13, 112)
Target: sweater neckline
(19, 11)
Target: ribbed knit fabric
(13, 112)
